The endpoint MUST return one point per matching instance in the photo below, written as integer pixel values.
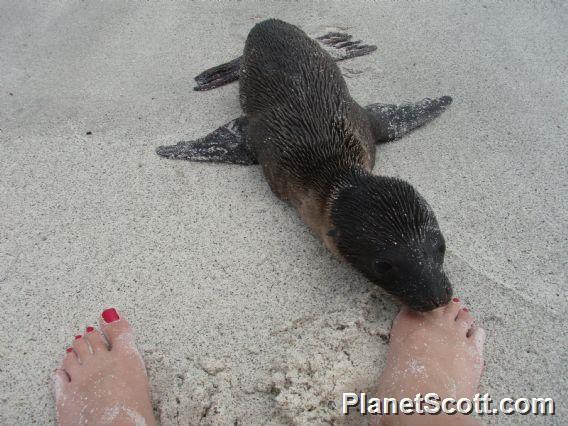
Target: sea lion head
(387, 230)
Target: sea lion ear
(394, 121)
(228, 144)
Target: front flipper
(228, 144)
(394, 121)
(338, 45)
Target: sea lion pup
(316, 146)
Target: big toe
(116, 329)
(405, 322)
(405, 318)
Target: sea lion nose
(440, 302)
(444, 298)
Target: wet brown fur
(306, 130)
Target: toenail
(455, 299)
(69, 350)
(110, 315)
(465, 310)
(78, 336)
(89, 329)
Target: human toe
(70, 362)
(476, 335)
(81, 348)
(464, 318)
(452, 309)
(116, 329)
(96, 340)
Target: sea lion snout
(431, 293)
(389, 232)
(418, 282)
(424, 276)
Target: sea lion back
(298, 107)
(281, 64)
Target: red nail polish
(110, 315)
(465, 310)
(69, 350)
(89, 329)
(455, 299)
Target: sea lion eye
(382, 267)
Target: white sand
(242, 315)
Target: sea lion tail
(228, 144)
(394, 121)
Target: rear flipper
(228, 144)
(394, 121)
(219, 75)
(338, 45)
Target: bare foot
(439, 351)
(98, 384)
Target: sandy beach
(242, 316)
